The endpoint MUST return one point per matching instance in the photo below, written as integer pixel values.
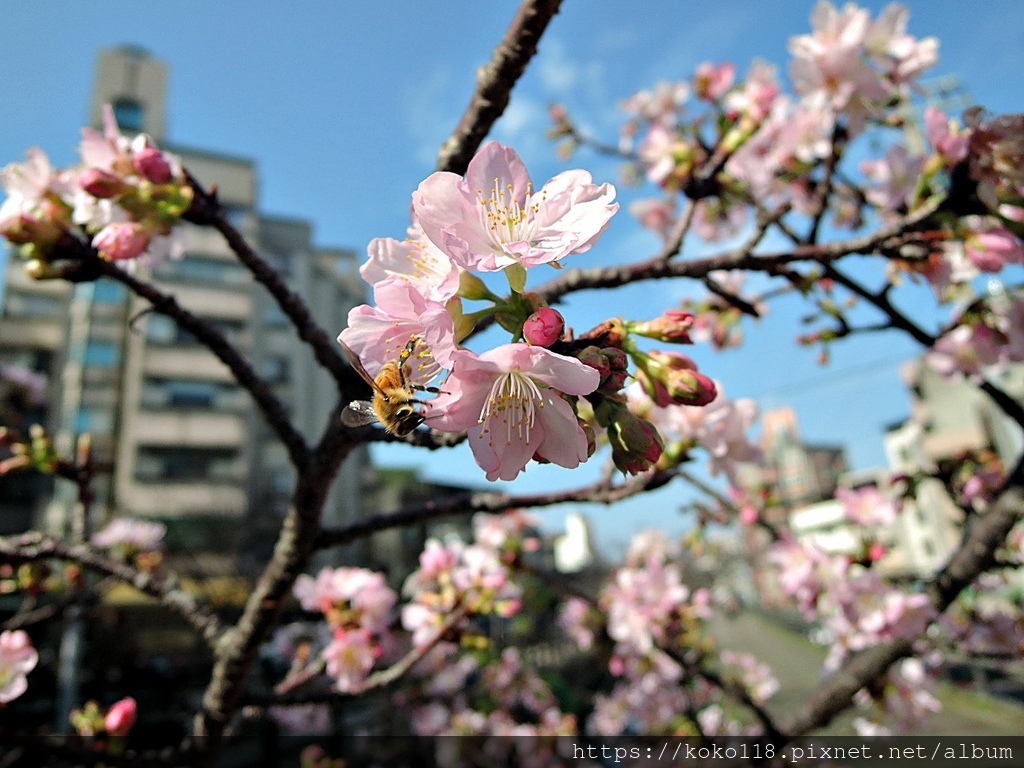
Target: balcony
(193, 429)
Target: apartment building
(185, 444)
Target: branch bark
(495, 81)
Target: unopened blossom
(379, 334)
(544, 327)
(672, 378)
(662, 104)
(350, 657)
(672, 326)
(508, 400)
(17, 659)
(966, 351)
(756, 676)
(993, 248)
(415, 260)
(131, 533)
(867, 506)
(121, 717)
(494, 218)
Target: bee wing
(359, 413)
(357, 364)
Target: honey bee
(394, 400)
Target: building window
(95, 421)
(176, 464)
(130, 115)
(183, 393)
(200, 269)
(101, 354)
(108, 292)
(275, 369)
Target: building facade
(184, 442)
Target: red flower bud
(121, 717)
(544, 327)
(152, 164)
(672, 327)
(99, 183)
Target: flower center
(514, 400)
(507, 220)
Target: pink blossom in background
(756, 676)
(992, 249)
(966, 351)
(358, 591)
(131, 532)
(951, 143)
(17, 659)
(895, 178)
(902, 57)
(507, 399)
(662, 104)
(655, 214)
(867, 506)
(494, 218)
(712, 81)
(572, 618)
(350, 656)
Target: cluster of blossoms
(517, 401)
(133, 540)
(650, 611)
(357, 604)
(125, 197)
(471, 578)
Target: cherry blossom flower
(656, 214)
(349, 596)
(661, 105)
(131, 533)
(756, 676)
(350, 657)
(867, 506)
(965, 351)
(508, 400)
(712, 81)
(34, 210)
(895, 176)
(121, 717)
(17, 659)
(950, 142)
(494, 219)
(379, 334)
(902, 57)
(415, 260)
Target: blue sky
(343, 106)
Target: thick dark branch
(270, 406)
(207, 210)
(976, 555)
(34, 546)
(492, 503)
(495, 81)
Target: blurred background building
(183, 442)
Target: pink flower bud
(991, 251)
(636, 444)
(121, 240)
(674, 378)
(99, 183)
(121, 717)
(672, 327)
(152, 164)
(544, 327)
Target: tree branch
(270, 406)
(206, 210)
(492, 503)
(495, 81)
(34, 546)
